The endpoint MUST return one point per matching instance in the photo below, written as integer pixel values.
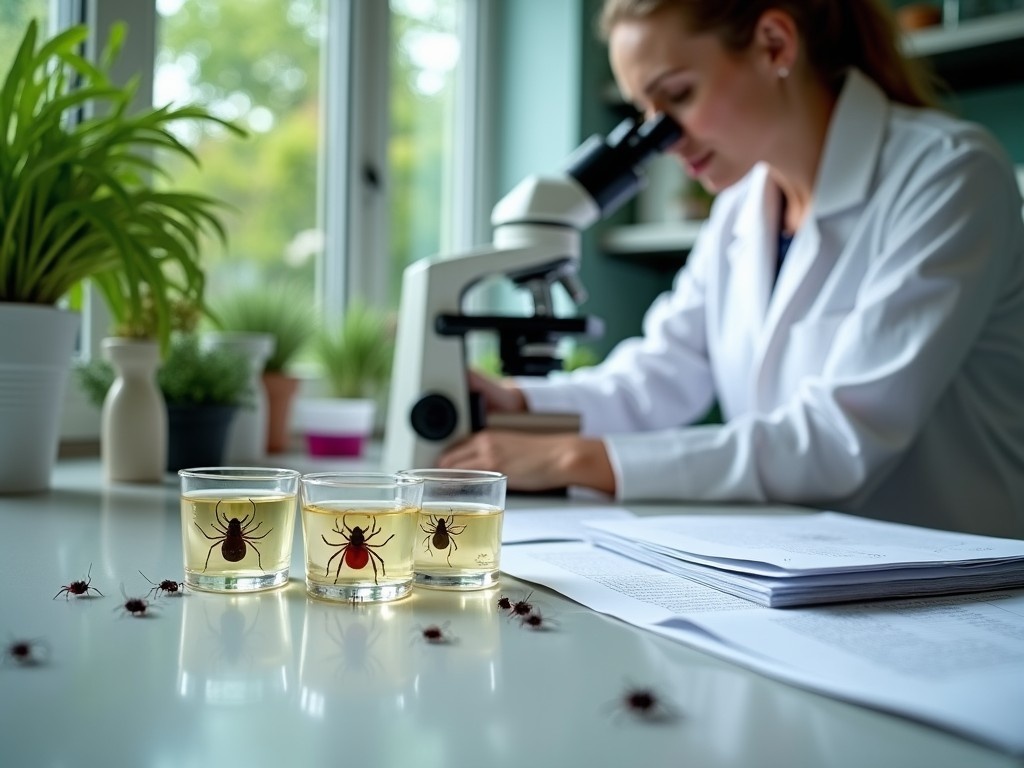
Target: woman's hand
(535, 462)
(500, 396)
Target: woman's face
(723, 100)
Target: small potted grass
(79, 200)
(203, 389)
(287, 316)
(355, 358)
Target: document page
(956, 662)
(557, 523)
(823, 542)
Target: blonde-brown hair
(836, 34)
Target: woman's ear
(776, 41)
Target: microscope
(536, 245)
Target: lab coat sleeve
(942, 259)
(661, 378)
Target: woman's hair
(837, 34)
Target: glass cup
(359, 530)
(237, 527)
(459, 528)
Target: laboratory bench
(276, 678)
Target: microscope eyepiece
(609, 169)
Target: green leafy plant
(190, 375)
(283, 313)
(356, 356)
(95, 378)
(77, 199)
(579, 356)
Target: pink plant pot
(335, 426)
(335, 445)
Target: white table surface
(277, 679)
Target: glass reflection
(234, 649)
(470, 664)
(357, 650)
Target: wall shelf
(982, 52)
(670, 238)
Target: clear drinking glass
(459, 536)
(237, 527)
(359, 529)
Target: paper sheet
(957, 663)
(556, 524)
(823, 542)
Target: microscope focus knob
(434, 417)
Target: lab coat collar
(753, 241)
(852, 146)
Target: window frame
(355, 135)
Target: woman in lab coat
(854, 304)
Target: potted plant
(77, 201)
(355, 358)
(289, 319)
(203, 389)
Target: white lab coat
(884, 375)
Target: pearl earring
(782, 72)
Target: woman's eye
(679, 96)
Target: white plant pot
(335, 426)
(247, 436)
(35, 355)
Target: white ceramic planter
(247, 436)
(334, 426)
(36, 343)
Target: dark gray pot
(197, 435)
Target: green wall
(552, 74)
(1001, 110)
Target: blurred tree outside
(424, 57)
(258, 62)
(14, 18)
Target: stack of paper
(825, 557)
(954, 662)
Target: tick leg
(261, 536)
(218, 515)
(259, 561)
(340, 551)
(451, 540)
(341, 562)
(373, 561)
(218, 538)
(426, 541)
(246, 518)
(208, 553)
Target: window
(424, 54)
(256, 63)
(355, 112)
(14, 16)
